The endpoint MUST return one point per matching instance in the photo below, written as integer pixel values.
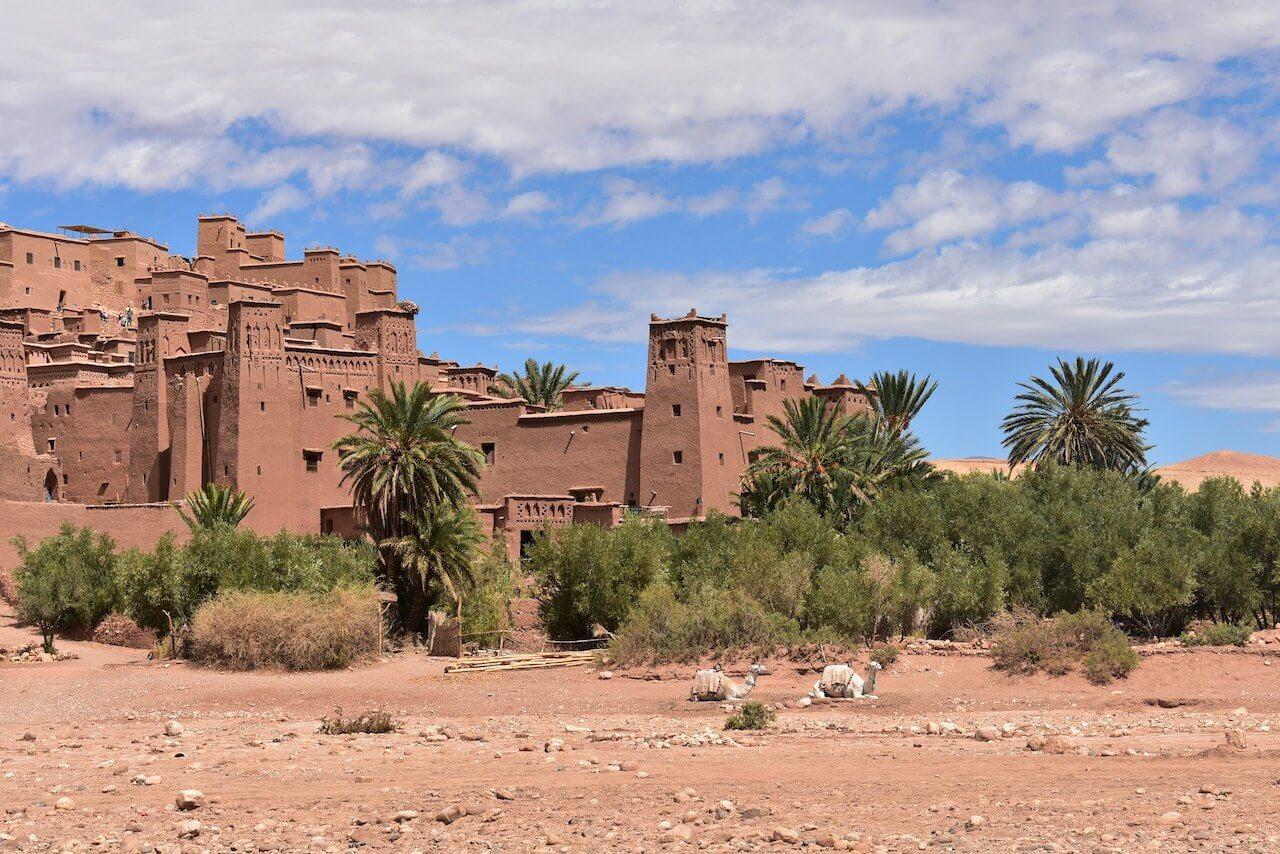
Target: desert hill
(1245, 468)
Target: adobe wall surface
(552, 453)
(131, 526)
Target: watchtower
(688, 462)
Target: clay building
(132, 376)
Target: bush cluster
(73, 579)
(937, 561)
(250, 629)
(753, 715)
(1087, 641)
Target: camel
(714, 684)
(840, 681)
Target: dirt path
(853, 776)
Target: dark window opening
(721, 459)
(77, 266)
(31, 258)
(57, 263)
(313, 459)
(119, 260)
(719, 412)
(677, 457)
(526, 541)
(675, 410)
(489, 449)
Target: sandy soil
(85, 763)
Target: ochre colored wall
(549, 454)
(131, 526)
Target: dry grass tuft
(245, 630)
(1023, 643)
(370, 722)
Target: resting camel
(715, 684)
(841, 681)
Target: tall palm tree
(836, 462)
(214, 505)
(440, 547)
(897, 397)
(403, 462)
(540, 384)
(1083, 417)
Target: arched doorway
(51, 486)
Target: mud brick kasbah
(132, 375)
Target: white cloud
(1153, 292)
(528, 205)
(829, 224)
(628, 201)
(279, 200)
(945, 206)
(433, 257)
(1183, 153)
(1254, 391)
(583, 86)
(433, 169)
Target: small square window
(53, 443)
(677, 457)
(31, 257)
(312, 458)
(119, 260)
(672, 369)
(675, 410)
(77, 266)
(489, 449)
(719, 412)
(57, 263)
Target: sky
(966, 190)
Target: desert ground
(96, 751)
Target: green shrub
(67, 581)
(1151, 585)
(375, 722)
(1216, 634)
(592, 576)
(486, 610)
(885, 654)
(170, 582)
(1024, 644)
(662, 628)
(161, 589)
(248, 630)
(752, 715)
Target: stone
(987, 733)
(64, 803)
(605, 675)
(173, 729)
(504, 795)
(975, 821)
(449, 815)
(189, 829)
(1171, 817)
(189, 799)
(787, 835)
(1235, 739)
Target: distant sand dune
(1245, 468)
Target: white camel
(841, 681)
(715, 685)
